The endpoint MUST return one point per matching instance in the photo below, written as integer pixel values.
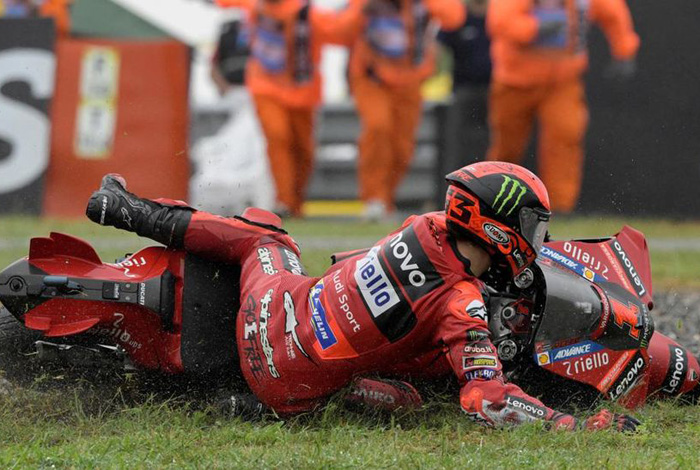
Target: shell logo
(543, 358)
(588, 274)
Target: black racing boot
(114, 206)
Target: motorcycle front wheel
(16, 344)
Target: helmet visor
(533, 226)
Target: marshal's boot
(114, 206)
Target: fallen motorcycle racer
(415, 292)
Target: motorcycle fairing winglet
(59, 244)
(50, 328)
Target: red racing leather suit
(411, 296)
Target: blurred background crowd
(352, 107)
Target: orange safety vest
(284, 54)
(521, 57)
(396, 43)
(286, 40)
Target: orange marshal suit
(536, 77)
(392, 53)
(283, 77)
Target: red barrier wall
(119, 106)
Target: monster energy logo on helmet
(512, 191)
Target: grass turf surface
(61, 422)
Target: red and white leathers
(408, 298)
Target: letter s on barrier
(25, 128)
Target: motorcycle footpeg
(97, 355)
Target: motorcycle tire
(16, 343)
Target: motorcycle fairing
(595, 325)
(622, 259)
(167, 309)
(63, 288)
(60, 244)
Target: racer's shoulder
(470, 287)
(466, 300)
(432, 224)
(436, 217)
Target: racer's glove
(605, 419)
(383, 394)
(621, 70)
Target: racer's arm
(614, 18)
(450, 13)
(512, 20)
(485, 395)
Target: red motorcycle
(157, 309)
(582, 313)
(579, 315)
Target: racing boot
(114, 206)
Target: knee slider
(262, 218)
(269, 221)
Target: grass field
(62, 420)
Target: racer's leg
(672, 370)
(114, 206)
(178, 226)
(230, 240)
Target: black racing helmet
(503, 207)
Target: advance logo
(567, 352)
